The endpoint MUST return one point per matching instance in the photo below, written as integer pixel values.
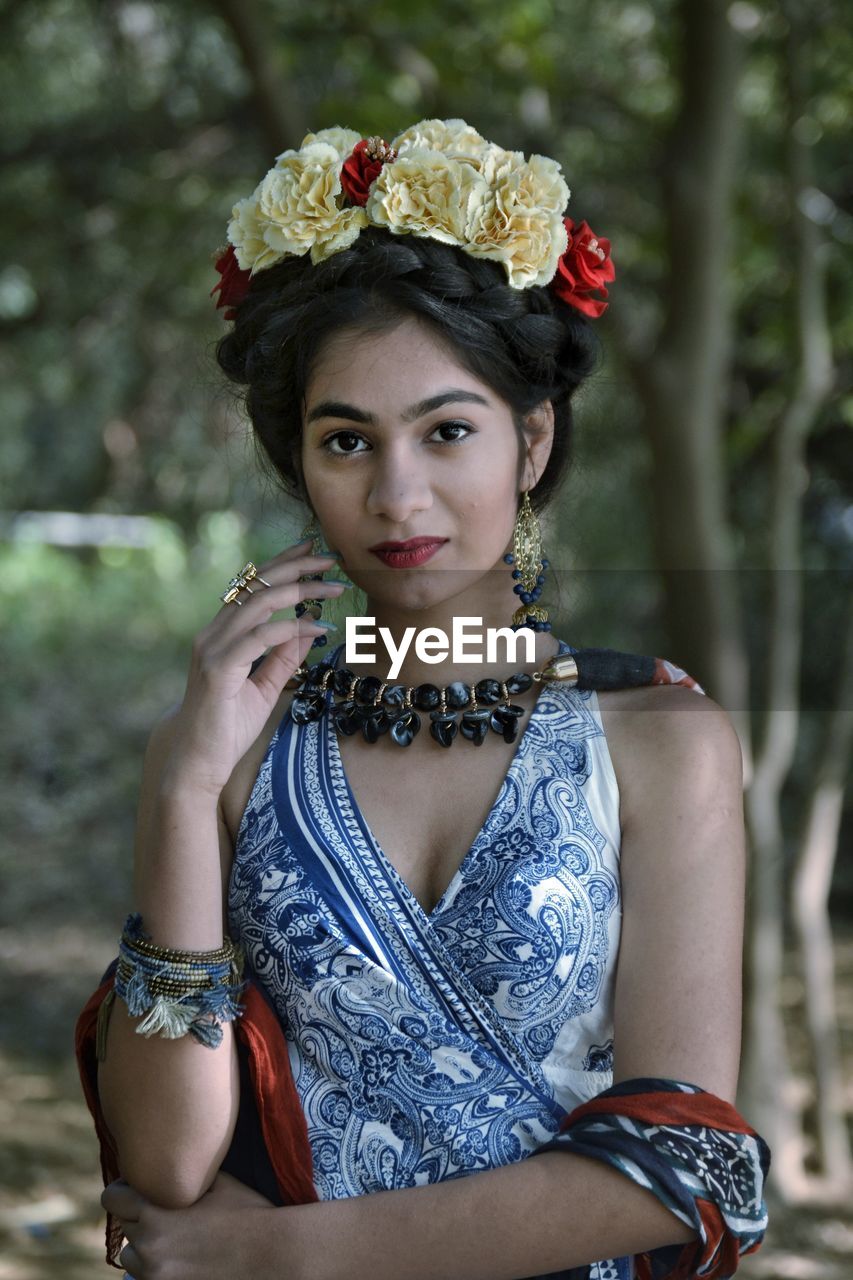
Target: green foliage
(130, 130)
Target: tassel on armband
(179, 992)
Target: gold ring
(247, 574)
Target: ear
(538, 430)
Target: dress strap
(610, 669)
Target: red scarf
(279, 1108)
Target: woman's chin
(417, 590)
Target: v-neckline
(362, 827)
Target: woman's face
(400, 442)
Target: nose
(400, 484)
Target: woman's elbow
(170, 1125)
(171, 1180)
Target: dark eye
(348, 440)
(454, 426)
(345, 443)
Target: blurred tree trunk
(685, 379)
(280, 115)
(683, 382)
(682, 375)
(810, 886)
(767, 1081)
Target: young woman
(456, 958)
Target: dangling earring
(529, 568)
(314, 608)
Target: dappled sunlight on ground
(51, 1221)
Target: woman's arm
(678, 998)
(528, 1219)
(532, 1218)
(171, 1105)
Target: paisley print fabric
(428, 1046)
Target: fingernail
(340, 582)
(327, 626)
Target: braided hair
(525, 344)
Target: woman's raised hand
(224, 708)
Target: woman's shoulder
(657, 714)
(664, 740)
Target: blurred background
(708, 519)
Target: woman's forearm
(177, 872)
(171, 1104)
(545, 1214)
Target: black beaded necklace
(375, 707)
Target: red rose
(584, 267)
(234, 283)
(363, 166)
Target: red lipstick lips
(405, 555)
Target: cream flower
(537, 183)
(427, 193)
(452, 138)
(343, 140)
(520, 222)
(529, 244)
(495, 159)
(298, 204)
(246, 233)
(352, 223)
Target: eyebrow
(336, 409)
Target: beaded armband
(179, 992)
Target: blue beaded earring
(314, 608)
(529, 567)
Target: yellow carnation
(452, 138)
(536, 183)
(246, 233)
(427, 193)
(343, 140)
(520, 223)
(298, 204)
(351, 224)
(528, 244)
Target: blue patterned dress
(428, 1046)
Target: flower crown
(440, 179)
